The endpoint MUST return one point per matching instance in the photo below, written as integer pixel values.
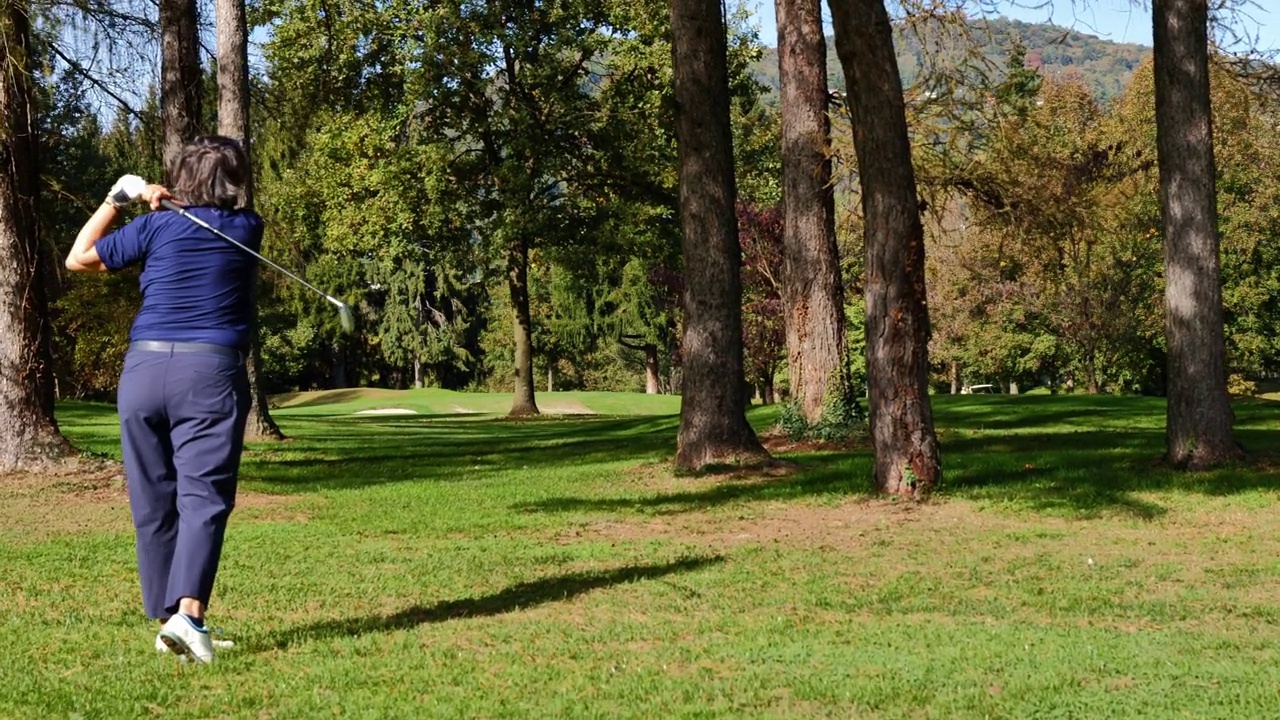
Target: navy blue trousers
(182, 418)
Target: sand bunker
(387, 411)
(565, 407)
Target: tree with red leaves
(764, 335)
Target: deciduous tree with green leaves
(510, 85)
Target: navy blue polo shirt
(196, 287)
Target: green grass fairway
(447, 403)
(452, 564)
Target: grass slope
(419, 566)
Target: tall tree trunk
(811, 284)
(713, 420)
(261, 426)
(651, 369)
(417, 355)
(907, 459)
(233, 122)
(29, 438)
(523, 402)
(179, 76)
(1199, 416)
(339, 366)
(955, 378)
(233, 79)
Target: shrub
(1239, 386)
(843, 416)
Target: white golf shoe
(185, 640)
(218, 644)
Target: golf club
(345, 316)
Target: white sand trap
(388, 411)
(466, 411)
(571, 407)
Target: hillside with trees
(1104, 66)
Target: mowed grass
(448, 403)
(457, 565)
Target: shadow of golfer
(523, 595)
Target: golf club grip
(169, 205)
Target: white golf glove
(127, 189)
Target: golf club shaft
(171, 206)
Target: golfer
(184, 393)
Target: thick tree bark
(955, 378)
(811, 285)
(713, 421)
(907, 459)
(179, 76)
(29, 438)
(1199, 416)
(261, 426)
(233, 122)
(233, 78)
(523, 402)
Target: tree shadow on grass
(1078, 457)
(1059, 413)
(1078, 474)
(523, 595)
(405, 450)
(824, 474)
(1086, 474)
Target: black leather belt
(188, 347)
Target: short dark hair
(211, 171)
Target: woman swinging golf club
(184, 392)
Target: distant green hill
(1104, 66)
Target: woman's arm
(83, 256)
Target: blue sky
(1116, 20)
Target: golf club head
(347, 318)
